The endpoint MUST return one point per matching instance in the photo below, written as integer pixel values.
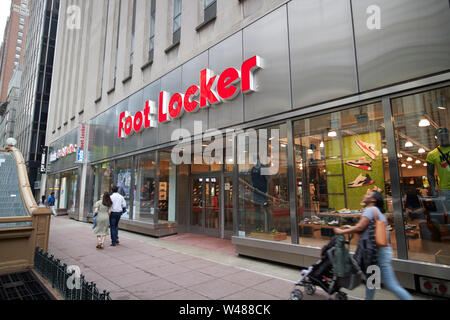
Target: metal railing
(70, 285)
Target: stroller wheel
(341, 296)
(296, 295)
(310, 289)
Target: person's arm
(358, 228)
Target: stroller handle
(350, 237)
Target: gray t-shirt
(369, 212)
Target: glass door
(205, 205)
(228, 206)
(212, 205)
(196, 219)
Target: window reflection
(424, 172)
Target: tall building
(12, 48)
(341, 96)
(9, 107)
(37, 68)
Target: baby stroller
(335, 270)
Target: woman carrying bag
(102, 210)
(373, 220)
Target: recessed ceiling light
(425, 164)
(332, 134)
(403, 165)
(418, 162)
(385, 150)
(321, 144)
(410, 167)
(408, 144)
(424, 122)
(421, 150)
(409, 159)
(400, 155)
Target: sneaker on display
(360, 163)
(361, 181)
(368, 148)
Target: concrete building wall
(97, 91)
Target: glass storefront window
(167, 187)
(103, 180)
(263, 184)
(339, 157)
(425, 172)
(145, 186)
(122, 179)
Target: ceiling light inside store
(418, 162)
(421, 150)
(310, 151)
(385, 150)
(409, 159)
(410, 167)
(425, 164)
(321, 144)
(400, 155)
(424, 122)
(403, 165)
(332, 134)
(408, 144)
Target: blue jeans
(384, 257)
(114, 219)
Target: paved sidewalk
(180, 267)
(139, 269)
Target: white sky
(5, 6)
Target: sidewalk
(180, 267)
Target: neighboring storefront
(63, 175)
(341, 129)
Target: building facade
(37, 69)
(326, 99)
(8, 109)
(13, 46)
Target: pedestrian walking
(42, 202)
(374, 204)
(102, 209)
(51, 203)
(118, 207)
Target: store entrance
(206, 209)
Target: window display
(122, 179)
(421, 123)
(264, 198)
(145, 185)
(167, 187)
(339, 158)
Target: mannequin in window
(259, 184)
(439, 160)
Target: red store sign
(213, 89)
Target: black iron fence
(71, 285)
